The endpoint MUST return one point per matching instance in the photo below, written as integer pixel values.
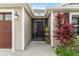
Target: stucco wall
(27, 28)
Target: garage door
(5, 30)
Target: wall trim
(23, 29)
(12, 11)
(13, 40)
(51, 29)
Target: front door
(38, 30)
(5, 30)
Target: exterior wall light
(16, 16)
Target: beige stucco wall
(27, 29)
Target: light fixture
(16, 16)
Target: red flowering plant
(64, 31)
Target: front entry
(38, 29)
(5, 31)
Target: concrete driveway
(36, 48)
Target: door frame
(12, 12)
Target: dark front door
(38, 30)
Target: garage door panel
(5, 34)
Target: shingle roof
(71, 4)
(74, 4)
(39, 11)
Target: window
(1, 17)
(8, 17)
(75, 22)
(5, 16)
(75, 19)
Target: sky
(44, 5)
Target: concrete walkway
(36, 48)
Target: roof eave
(64, 7)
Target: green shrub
(76, 41)
(66, 51)
(69, 50)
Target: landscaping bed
(68, 38)
(67, 51)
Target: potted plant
(46, 34)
